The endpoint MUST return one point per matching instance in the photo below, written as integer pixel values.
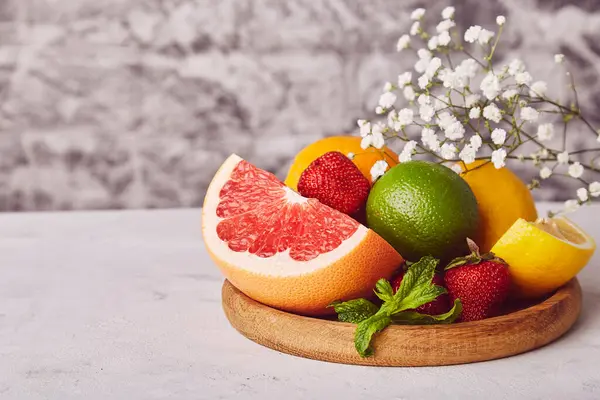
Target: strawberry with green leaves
(481, 282)
(398, 307)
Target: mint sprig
(415, 290)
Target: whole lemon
(363, 158)
(422, 208)
(502, 198)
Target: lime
(422, 208)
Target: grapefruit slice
(285, 250)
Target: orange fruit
(363, 159)
(502, 199)
(285, 250)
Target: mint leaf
(419, 273)
(416, 318)
(419, 296)
(366, 329)
(384, 290)
(354, 311)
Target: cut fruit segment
(285, 250)
(544, 255)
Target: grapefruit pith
(285, 250)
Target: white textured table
(126, 305)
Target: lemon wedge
(543, 255)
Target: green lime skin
(422, 208)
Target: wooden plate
(400, 345)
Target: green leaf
(419, 296)
(416, 318)
(366, 329)
(384, 290)
(420, 273)
(354, 311)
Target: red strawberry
(438, 306)
(482, 284)
(334, 180)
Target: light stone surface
(135, 103)
(126, 305)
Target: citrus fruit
(363, 159)
(285, 250)
(422, 208)
(502, 198)
(543, 255)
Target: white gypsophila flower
(378, 128)
(426, 112)
(424, 99)
(450, 79)
(434, 64)
(475, 112)
(403, 43)
(444, 119)
(467, 154)
(448, 12)
(529, 114)
(509, 94)
(379, 110)
(523, 78)
(520, 157)
(365, 127)
(404, 79)
(392, 117)
(559, 58)
(545, 132)
(582, 194)
(516, 66)
(571, 206)
(409, 93)
(366, 142)
(455, 131)
(407, 151)
(405, 116)
(490, 86)
(472, 34)
(538, 88)
(522, 103)
(576, 170)
(448, 151)
(387, 100)
(444, 39)
(485, 36)
(432, 43)
(595, 189)
(417, 14)
(423, 62)
(445, 26)
(456, 168)
(476, 142)
(430, 139)
(378, 169)
(388, 87)
(492, 113)
(563, 158)
(545, 173)
(423, 81)
(500, 20)
(467, 69)
(498, 158)
(414, 28)
(440, 104)
(377, 140)
(351, 155)
(544, 153)
(498, 136)
(471, 100)
(598, 139)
